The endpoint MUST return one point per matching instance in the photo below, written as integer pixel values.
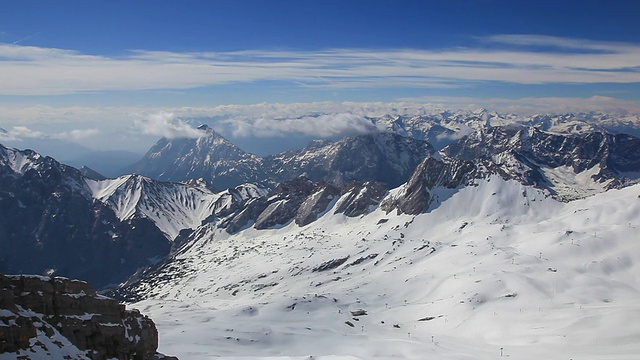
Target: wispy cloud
(534, 105)
(76, 134)
(19, 133)
(567, 44)
(164, 124)
(28, 70)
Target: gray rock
(99, 327)
(314, 205)
(285, 201)
(360, 198)
(415, 197)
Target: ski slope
(496, 270)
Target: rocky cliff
(43, 317)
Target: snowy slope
(171, 206)
(496, 267)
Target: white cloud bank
(137, 128)
(19, 133)
(534, 105)
(323, 126)
(164, 124)
(28, 70)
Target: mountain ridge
(134, 211)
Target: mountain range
(385, 157)
(339, 226)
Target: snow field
(494, 266)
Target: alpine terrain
(511, 237)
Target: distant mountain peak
(205, 128)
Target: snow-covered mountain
(568, 165)
(485, 251)
(497, 268)
(509, 238)
(210, 156)
(50, 224)
(440, 128)
(69, 210)
(400, 146)
(54, 220)
(385, 157)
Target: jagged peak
(205, 128)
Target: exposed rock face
(58, 317)
(246, 216)
(314, 205)
(359, 199)
(300, 199)
(414, 197)
(384, 157)
(522, 151)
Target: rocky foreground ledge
(59, 318)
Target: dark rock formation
(415, 197)
(383, 157)
(55, 316)
(521, 151)
(360, 198)
(300, 199)
(314, 205)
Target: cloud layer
(137, 128)
(19, 133)
(164, 124)
(323, 126)
(521, 59)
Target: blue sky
(73, 70)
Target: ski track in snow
(496, 268)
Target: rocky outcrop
(62, 318)
(415, 196)
(382, 157)
(314, 205)
(520, 152)
(360, 198)
(300, 199)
